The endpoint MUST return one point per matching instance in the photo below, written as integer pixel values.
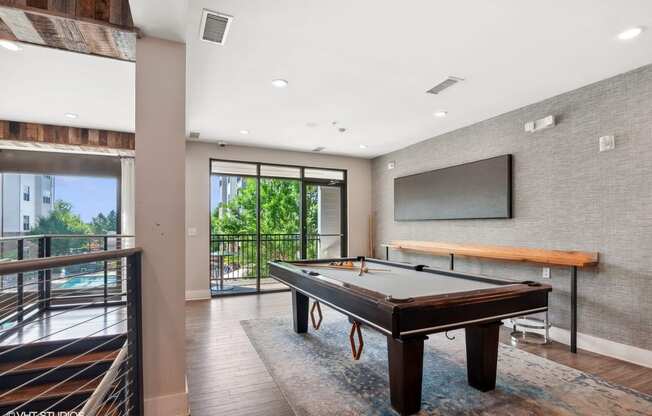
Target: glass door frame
(341, 185)
(304, 183)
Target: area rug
(318, 377)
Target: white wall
(13, 207)
(159, 206)
(198, 204)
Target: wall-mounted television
(476, 190)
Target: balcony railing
(58, 357)
(59, 286)
(234, 257)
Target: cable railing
(31, 292)
(82, 358)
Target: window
(260, 212)
(47, 197)
(26, 226)
(26, 193)
(275, 171)
(336, 175)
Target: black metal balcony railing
(235, 257)
(72, 356)
(58, 286)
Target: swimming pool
(95, 280)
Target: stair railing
(59, 358)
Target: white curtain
(127, 208)
(127, 199)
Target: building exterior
(228, 187)
(24, 198)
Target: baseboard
(603, 346)
(198, 294)
(172, 405)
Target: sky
(88, 196)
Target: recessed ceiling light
(280, 83)
(71, 115)
(441, 114)
(9, 45)
(363, 146)
(244, 131)
(630, 33)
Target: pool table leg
(405, 358)
(482, 355)
(300, 305)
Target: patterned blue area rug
(318, 377)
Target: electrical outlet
(546, 273)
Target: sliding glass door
(280, 219)
(263, 212)
(234, 228)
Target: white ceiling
(41, 84)
(164, 19)
(365, 64)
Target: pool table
(406, 303)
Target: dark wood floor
(226, 376)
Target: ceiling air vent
(448, 82)
(214, 27)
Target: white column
(160, 217)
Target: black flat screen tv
(476, 190)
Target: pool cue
(333, 266)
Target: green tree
(104, 224)
(238, 216)
(279, 214)
(62, 220)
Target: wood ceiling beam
(95, 27)
(75, 136)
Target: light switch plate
(192, 231)
(546, 273)
(607, 143)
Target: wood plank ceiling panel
(5, 32)
(96, 27)
(46, 133)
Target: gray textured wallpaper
(567, 196)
